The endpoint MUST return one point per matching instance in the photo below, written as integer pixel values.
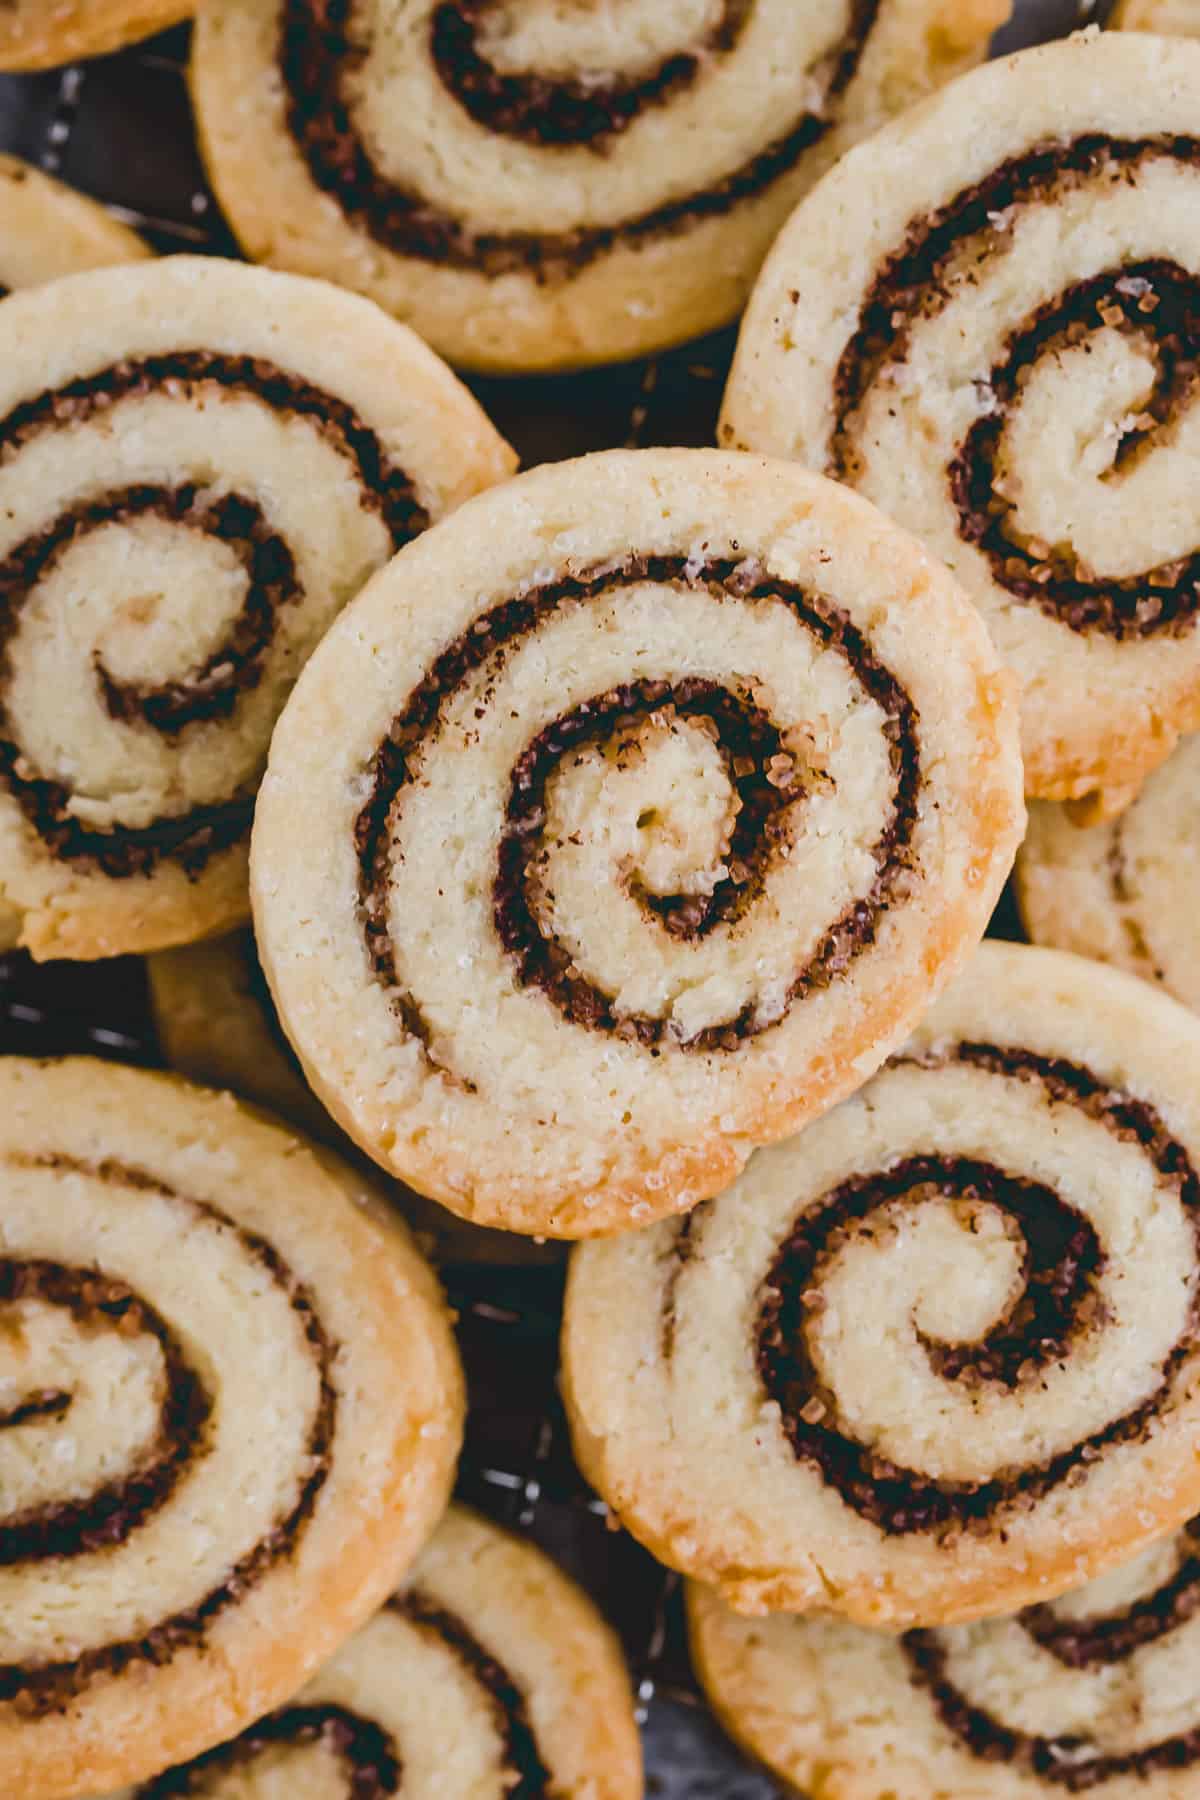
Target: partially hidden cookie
(230, 1406)
(541, 186)
(48, 230)
(638, 824)
(1126, 891)
(490, 1674)
(41, 34)
(200, 463)
(216, 1023)
(938, 1355)
(983, 321)
(1097, 1693)
(1167, 16)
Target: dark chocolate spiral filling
(1070, 1761)
(763, 778)
(1155, 303)
(1058, 1304)
(320, 50)
(530, 1778)
(111, 1515)
(210, 691)
(364, 1749)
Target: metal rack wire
(120, 129)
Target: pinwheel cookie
(229, 1411)
(40, 34)
(489, 1675)
(1098, 1693)
(937, 1356)
(639, 824)
(1126, 891)
(985, 321)
(165, 570)
(545, 185)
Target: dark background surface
(120, 129)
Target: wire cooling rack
(120, 129)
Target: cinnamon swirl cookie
(986, 322)
(536, 183)
(938, 1355)
(40, 34)
(1167, 16)
(1098, 1693)
(1126, 891)
(229, 1411)
(490, 1675)
(48, 230)
(639, 825)
(165, 571)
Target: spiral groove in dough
(617, 171)
(1096, 1693)
(938, 1354)
(620, 843)
(177, 1497)
(1006, 364)
(157, 489)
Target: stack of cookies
(604, 853)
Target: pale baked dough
(230, 1406)
(977, 319)
(479, 187)
(200, 463)
(490, 1675)
(41, 34)
(937, 1356)
(639, 823)
(216, 1023)
(1097, 1693)
(1126, 891)
(48, 230)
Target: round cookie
(1098, 1693)
(1167, 16)
(937, 1356)
(216, 1023)
(489, 1675)
(163, 430)
(640, 825)
(547, 185)
(48, 230)
(1126, 891)
(42, 34)
(230, 1406)
(981, 321)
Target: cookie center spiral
(1131, 327)
(326, 46)
(117, 533)
(1054, 1309)
(692, 872)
